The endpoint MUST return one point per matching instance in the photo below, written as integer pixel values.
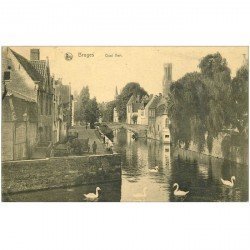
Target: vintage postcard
(113, 124)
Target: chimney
(34, 55)
(168, 71)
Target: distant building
(152, 117)
(133, 106)
(116, 93)
(115, 115)
(162, 121)
(45, 95)
(245, 61)
(137, 110)
(63, 107)
(143, 112)
(158, 121)
(167, 79)
(158, 125)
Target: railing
(108, 143)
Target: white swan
(141, 195)
(178, 192)
(92, 196)
(229, 183)
(154, 170)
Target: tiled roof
(32, 72)
(40, 67)
(18, 87)
(155, 102)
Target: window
(166, 123)
(41, 102)
(152, 113)
(6, 75)
(158, 127)
(166, 136)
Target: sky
(104, 68)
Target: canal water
(199, 174)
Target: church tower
(245, 60)
(167, 79)
(116, 93)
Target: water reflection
(73, 194)
(198, 174)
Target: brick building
(27, 106)
(19, 108)
(63, 106)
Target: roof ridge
(27, 65)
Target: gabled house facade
(45, 97)
(137, 110)
(143, 111)
(158, 126)
(36, 109)
(19, 107)
(39, 71)
(158, 120)
(130, 110)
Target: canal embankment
(57, 172)
(238, 154)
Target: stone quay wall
(31, 175)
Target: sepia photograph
(125, 124)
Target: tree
(240, 101)
(130, 89)
(82, 102)
(186, 109)
(200, 104)
(217, 78)
(91, 111)
(108, 111)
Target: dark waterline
(198, 174)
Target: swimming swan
(92, 196)
(141, 195)
(154, 170)
(229, 183)
(178, 192)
